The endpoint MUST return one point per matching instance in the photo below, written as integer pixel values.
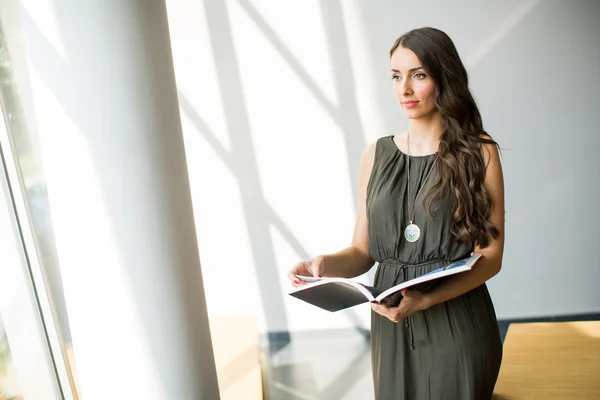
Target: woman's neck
(425, 130)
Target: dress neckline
(409, 155)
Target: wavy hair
(461, 163)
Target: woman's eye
(396, 77)
(420, 76)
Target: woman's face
(413, 87)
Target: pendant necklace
(412, 231)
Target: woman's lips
(410, 103)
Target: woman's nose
(406, 87)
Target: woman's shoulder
(376, 149)
(489, 148)
(380, 144)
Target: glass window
(28, 192)
(9, 385)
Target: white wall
(279, 98)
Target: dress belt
(402, 267)
(402, 264)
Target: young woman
(427, 197)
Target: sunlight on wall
(263, 138)
(367, 98)
(279, 99)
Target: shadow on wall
(259, 215)
(381, 24)
(498, 26)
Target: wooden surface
(555, 360)
(237, 357)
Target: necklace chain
(412, 216)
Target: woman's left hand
(412, 301)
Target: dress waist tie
(401, 269)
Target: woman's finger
(379, 309)
(388, 312)
(294, 279)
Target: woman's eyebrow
(410, 70)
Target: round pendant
(412, 233)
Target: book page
(459, 266)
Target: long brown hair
(461, 164)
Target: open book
(333, 294)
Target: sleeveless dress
(452, 350)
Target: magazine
(333, 294)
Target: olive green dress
(452, 350)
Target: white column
(110, 136)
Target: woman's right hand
(314, 267)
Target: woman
(427, 197)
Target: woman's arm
(356, 259)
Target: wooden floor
(550, 360)
(237, 357)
